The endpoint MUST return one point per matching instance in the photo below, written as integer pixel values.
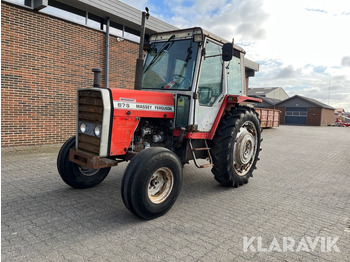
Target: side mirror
(227, 52)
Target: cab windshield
(170, 65)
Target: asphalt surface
(300, 192)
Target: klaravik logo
(289, 244)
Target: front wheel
(152, 182)
(75, 175)
(236, 147)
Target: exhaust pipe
(139, 61)
(97, 72)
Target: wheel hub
(87, 171)
(160, 185)
(245, 148)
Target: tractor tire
(152, 182)
(75, 175)
(236, 146)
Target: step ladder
(206, 148)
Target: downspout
(107, 53)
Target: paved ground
(300, 192)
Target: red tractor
(192, 106)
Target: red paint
(234, 99)
(228, 102)
(126, 96)
(230, 99)
(129, 106)
(122, 132)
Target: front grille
(90, 110)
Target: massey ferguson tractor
(191, 105)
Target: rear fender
(229, 102)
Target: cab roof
(189, 33)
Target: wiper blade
(165, 47)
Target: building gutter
(107, 53)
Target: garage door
(296, 115)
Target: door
(296, 116)
(210, 87)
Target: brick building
(299, 110)
(48, 52)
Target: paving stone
(300, 189)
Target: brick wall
(282, 114)
(314, 115)
(328, 117)
(44, 60)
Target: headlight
(97, 131)
(82, 128)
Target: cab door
(210, 88)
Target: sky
(302, 46)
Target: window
(182, 111)
(95, 21)
(234, 79)
(170, 65)
(301, 112)
(27, 3)
(132, 37)
(70, 13)
(210, 82)
(65, 14)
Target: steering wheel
(204, 95)
(184, 79)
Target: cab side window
(234, 84)
(210, 82)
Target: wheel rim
(160, 185)
(245, 148)
(87, 171)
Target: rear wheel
(75, 175)
(152, 182)
(235, 147)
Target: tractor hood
(142, 103)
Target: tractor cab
(194, 63)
